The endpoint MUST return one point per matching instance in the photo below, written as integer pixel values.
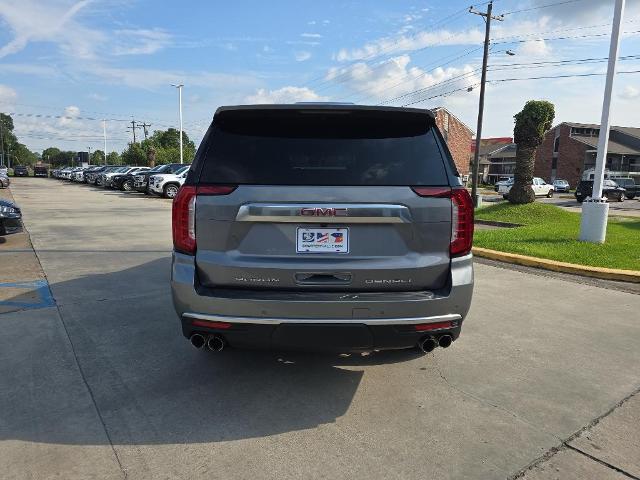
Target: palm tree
(531, 124)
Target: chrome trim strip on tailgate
(324, 213)
(365, 321)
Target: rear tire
(550, 194)
(621, 198)
(171, 190)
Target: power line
(540, 6)
(501, 80)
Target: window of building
(556, 145)
(554, 163)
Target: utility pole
(179, 87)
(1, 144)
(133, 129)
(104, 134)
(595, 210)
(476, 155)
(145, 129)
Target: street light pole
(595, 210)
(179, 87)
(476, 155)
(104, 134)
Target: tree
(113, 158)
(531, 124)
(134, 155)
(48, 154)
(97, 158)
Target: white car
(539, 186)
(168, 184)
(4, 170)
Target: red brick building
(570, 148)
(458, 137)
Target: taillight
(184, 214)
(461, 216)
(461, 222)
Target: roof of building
(614, 147)
(434, 110)
(489, 146)
(633, 131)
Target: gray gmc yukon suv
(322, 227)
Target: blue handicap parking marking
(45, 299)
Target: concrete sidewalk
(104, 385)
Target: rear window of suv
(320, 147)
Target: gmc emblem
(323, 212)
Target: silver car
(322, 227)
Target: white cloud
(430, 38)
(70, 114)
(54, 21)
(534, 48)
(302, 56)
(141, 41)
(285, 95)
(395, 77)
(311, 35)
(312, 22)
(7, 95)
(630, 92)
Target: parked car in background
(4, 170)
(632, 189)
(10, 218)
(124, 180)
(560, 185)
(539, 186)
(91, 174)
(77, 174)
(610, 190)
(20, 171)
(141, 180)
(102, 174)
(300, 227)
(40, 171)
(503, 181)
(4, 181)
(168, 184)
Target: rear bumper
(319, 320)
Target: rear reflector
(423, 327)
(183, 214)
(461, 216)
(208, 324)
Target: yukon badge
(323, 212)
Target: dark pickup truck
(141, 180)
(632, 189)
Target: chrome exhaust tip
(428, 344)
(215, 343)
(197, 340)
(445, 341)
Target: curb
(563, 267)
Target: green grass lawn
(551, 232)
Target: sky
(67, 65)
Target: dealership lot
(103, 385)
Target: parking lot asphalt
(103, 385)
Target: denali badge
(257, 279)
(323, 212)
(385, 281)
